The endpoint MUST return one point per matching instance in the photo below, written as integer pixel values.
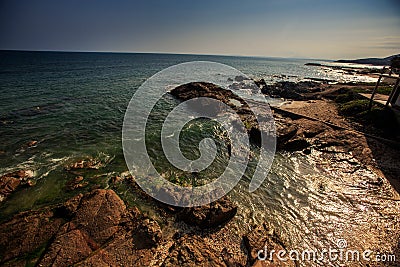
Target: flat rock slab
(92, 229)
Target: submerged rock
(32, 143)
(75, 183)
(89, 163)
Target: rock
(88, 163)
(284, 132)
(309, 128)
(215, 214)
(255, 135)
(240, 78)
(21, 174)
(313, 64)
(296, 144)
(75, 183)
(8, 185)
(27, 232)
(203, 89)
(290, 90)
(260, 83)
(69, 208)
(263, 238)
(149, 232)
(68, 248)
(192, 251)
(116, 179)
(32, 143)
(329, 140)
(11, 181)
(89, 229)
(99, 213)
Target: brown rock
(75, 183)
(215, 214)
(21, 174)
(203, 89)
(11, 181)
(67, 249)
(296, 144)
(91, 229)
(27, 232)
(120, 251)
(262, 238)
(8, 185)
(88, 163)
(69, 208)
(284, 132)
(99, 214)
(32, 143)
(149, 232)
(309, 128)
(192, 251)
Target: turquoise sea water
(73, 104)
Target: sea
(73, 105)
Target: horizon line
(163, 53)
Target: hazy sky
(283, 28)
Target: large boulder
(89, 229)
(26, 233)
(291, 90)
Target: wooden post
(394, 94)
(374, 92)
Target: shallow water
(73, 104)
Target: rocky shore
(97, 228)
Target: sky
(278, 28)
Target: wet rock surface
(94, 228)
(191, 251)
(215, 214)
(12, 181)
(290, 90)
(246, 115)
(97, 228)
(259, 243)
(88, 163)
(203, 89)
